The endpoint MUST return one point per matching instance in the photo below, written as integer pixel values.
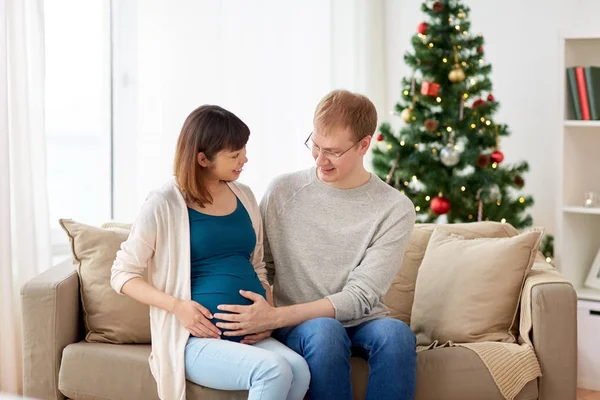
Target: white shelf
(588, 294)
(581, 124)
(582, 210)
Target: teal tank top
(220, 248)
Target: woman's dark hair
(208, 129)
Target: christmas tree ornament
(494, 193)
(456, 74)
(379, 137)
(478, 103)
(483, 161)
(480, 49)
(449, 156)
(440, 205)
(431, 89)
(438, 7)
(479, 206)
(461, 14)
(497, 156)
(490, 97)
(519, 181)
(431, 124)
(391, 173)
(423, 28)
(406, 114)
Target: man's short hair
(344, 109)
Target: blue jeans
(268, 369)
(388, 344)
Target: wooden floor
(583, 394)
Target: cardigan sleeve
(137, 251)
(258, 253)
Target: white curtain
(268, 61)
(24, 231)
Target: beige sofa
(58, 363)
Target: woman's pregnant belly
(213, 285)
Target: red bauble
(379, 137)
(490, 97)
(438, 7)
(497, 156)
(430, 89)
(440, 205)
(480, 49)
(478, 103)
(422, 28)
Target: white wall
(521, 43)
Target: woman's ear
(202, 160)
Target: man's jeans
(388, 345)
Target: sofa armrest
(554, 329)
(51, 321)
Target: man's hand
(251, 339)
(245, 320)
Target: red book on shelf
(583, 95)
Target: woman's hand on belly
(196, 319)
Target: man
(335, 239)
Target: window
(78, 112)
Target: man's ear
(202, 160)
(365, 143)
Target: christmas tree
(447, 155)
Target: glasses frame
(328, 154)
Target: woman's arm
(192, 315)
(136, 253)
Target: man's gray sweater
(344, 245)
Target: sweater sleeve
(137, 251)
(268, 255)
(371, 278)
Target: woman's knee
(300, 370)
(276, 367)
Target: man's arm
(366, 284)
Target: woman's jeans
(268, 369)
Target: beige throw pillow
(468, 290)
(400, 296)
(109, 317)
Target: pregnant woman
(200, 236)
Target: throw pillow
(468, 290)
(399, 298)
(109, 317)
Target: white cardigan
(160, 240)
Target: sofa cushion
(400, 296)
(109, 317)
(468, 290)
(98, 370)
(107, 371)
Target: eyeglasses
(326, 153)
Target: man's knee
(323, 329)
(393, 334)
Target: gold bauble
(457, 74)
(461, 14)
(406, 114)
